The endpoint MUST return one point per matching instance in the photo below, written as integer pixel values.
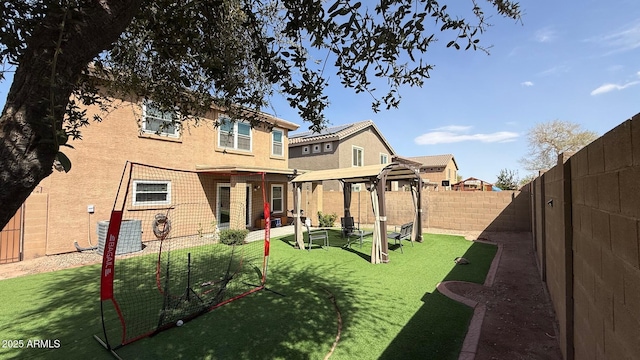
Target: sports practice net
(177, 247)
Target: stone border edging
(471, 340)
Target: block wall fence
(490, 211)
(585, 221)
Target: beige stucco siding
(369, 141)
(98, 161)
(324, 159)
(437, 174)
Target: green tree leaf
(64, 161)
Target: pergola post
(297, 223)
(383, 217)
(346, 193)
(418, 224)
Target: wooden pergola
(375, 177)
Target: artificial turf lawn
(388, 311)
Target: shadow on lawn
(335, 241)
(66, 314)
(427, 335)
(300, 325)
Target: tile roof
(338, 132)
(434, 160)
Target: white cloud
(545, 35)
(454, 128)
(615, 68)
(454, 134)
(555, 70)
(628, 38)
(526, 83)
(612, 87)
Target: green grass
(389, 311)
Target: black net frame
(176, 247)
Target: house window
(316, 148)
(276, 198)
(156, 121)
(277, 148)
(305, 149)
(384, 158)
(358, 156)
(151, 192)
(328, 147)
(234, 135)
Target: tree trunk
(34, 111)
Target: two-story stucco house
(349, 145)
(436, 168)
(66, 207)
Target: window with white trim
(276, 198)
(234, 135)
(357, 158)
(277, 147)
(384, 158)
(156, 121)
(151, 192)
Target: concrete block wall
(557, 253)
(451, 210)
(599, 308)
(606, 178)
(478, 210)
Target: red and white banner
(109, 256)
(267, 228)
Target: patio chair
(322, 235)
(404, 234)
(348, 226)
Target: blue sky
(571, 60)
(568, 60)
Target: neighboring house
(71, 204)
(356, 144)
(435, 169)
(472, 184)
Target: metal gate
(11, 239)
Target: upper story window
(156, 121)
(384, 158)
(151, 192)
(234, 135)
(357, 156)
(277, 138)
